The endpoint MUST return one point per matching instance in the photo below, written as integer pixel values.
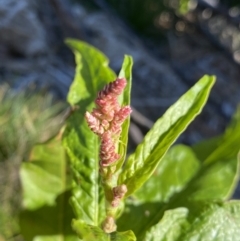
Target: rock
(49, 73)
(155, 85)
(193, 57)
(20, 29)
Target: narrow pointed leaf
(181, 178)
(149, 153)
(220, 164)
(125, 72)
(223, 146)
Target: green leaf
(219, 157)
(204, 148)
(213, 182)
(92, 72)
(210, 183)
(45, 169)
(123, 236)
(216, 147)
(49, 223)
(138, 216)
(171, 226)
(228, 148)
(125, 72)
(179, 180)
(171, 176)
(82, 145)
(141, 164)
(218, 222)
(89, 233)
(45, 182)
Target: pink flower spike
(106, 120)
(94, 123)
(114, 88)
(119, 118)
(118, 193)
(122, 114)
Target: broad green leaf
(171, 176)
(44, 176)
(218, 222)
(208, 184)
(82, 145)
(170, 227)
(49, 223)
(220, 170)
(173, 173)
(228, 148)
(92, 73)
(219, 157)
(138, 216)
(141, 164)
(123, 236)
(213, 182)
(89, 233)
(204, 148)
(45, 181)
(199, 182)
(125, 72)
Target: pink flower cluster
(118, 194)
(107, 118)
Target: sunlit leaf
(46, 191)
(125, 72)
(210, 222)
(142, 163)
(82, 145)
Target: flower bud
(109, 225)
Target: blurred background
(173, 43)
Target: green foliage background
(177, 193)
